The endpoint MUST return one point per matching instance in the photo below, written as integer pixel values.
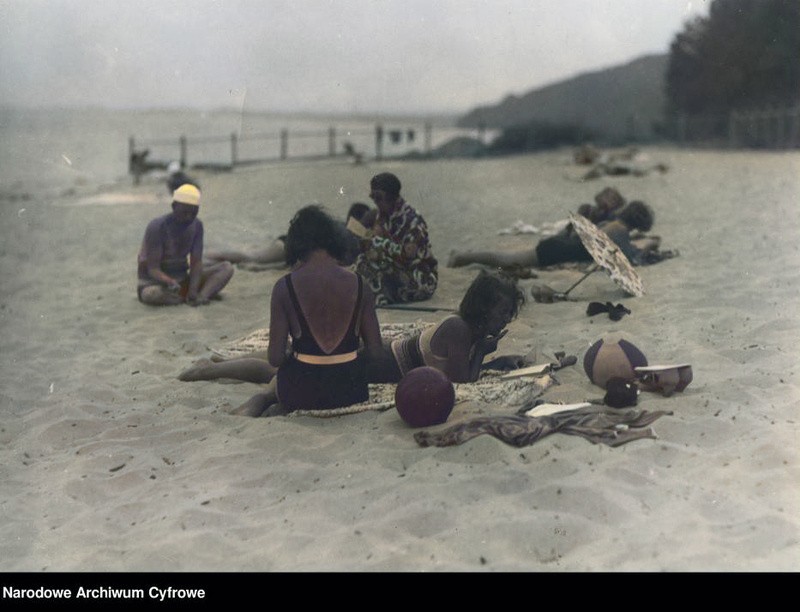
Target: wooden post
(428, 137)
(284, 143)
(332, 142)
(379, 142)
(182, 145)
(131, 149)
(234, 150)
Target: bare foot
(247, 409)
(454, 260)
(198, 371)
(275, 410)
(261, 404)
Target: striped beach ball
(612, 356)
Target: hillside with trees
(620, 103)
(743, 57)
(732, 77)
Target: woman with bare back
(326, 310)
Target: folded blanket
(598, 424)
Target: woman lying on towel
(457, 346)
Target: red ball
(424, 397)
(612, 357)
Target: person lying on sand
(396, 259)
(566, 246)
(359, 220)
(165, 278)
(457, 346)
(607, 204)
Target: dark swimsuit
(311, 386)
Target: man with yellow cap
(165, 276)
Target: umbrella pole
(592, 270)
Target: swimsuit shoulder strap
(304, 329)
(354, 319)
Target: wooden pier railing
(269, 147)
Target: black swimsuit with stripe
(306, 386)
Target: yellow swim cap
(187, 194)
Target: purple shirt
(170, 243)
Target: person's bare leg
(254, 355)
(647, 243)
(272, 253)
(156, 295)
(260, 402)
(212, 257)
(215, 277)
(495, 259)
(247, 369)
(254, 406)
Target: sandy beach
(110, 463)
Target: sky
(326, 56)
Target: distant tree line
(744, 56)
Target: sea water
(55, 153)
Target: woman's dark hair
(637, 215)
(585, 210)
(481, 296)
(386, 181)
(358, 210)
(311, 229)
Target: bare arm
(154, 253)
(453, 341)
(195, 275)
(483, 347)
(195, 266)
(370, 329)
(496, 259)
(278, 325)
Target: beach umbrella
(606, 255)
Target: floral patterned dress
(397, 262)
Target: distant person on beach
(165, 277)
(396, 259)
(176, 177)
(457, 345)
(631, 162)
(607, 204)
(360, 218)
(327, 311)
(566, 246)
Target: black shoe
(595, 308)
(615, 313)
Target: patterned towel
(489, 388)
(258, 340)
